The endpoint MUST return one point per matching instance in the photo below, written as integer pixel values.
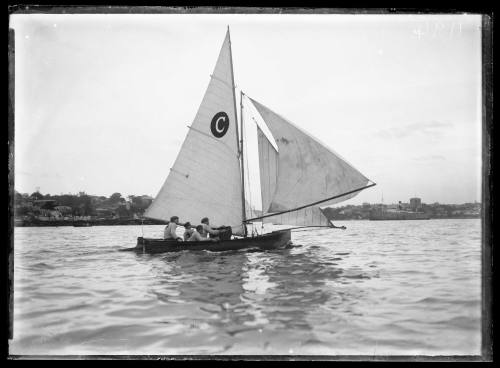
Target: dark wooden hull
(274, 240)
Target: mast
(240, 143)
(242, 164)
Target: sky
(102, 101)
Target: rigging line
(306, 228)
(313, 204)
(240, 152)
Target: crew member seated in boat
(217, 233)
(170, 230)
(196, 236)
(207, 229)
(166, 227)
(188, 231)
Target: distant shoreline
(125, 222)
(432, 218)
(84, 223)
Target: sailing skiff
(274, 240)
(298, 174)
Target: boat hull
(274, 240)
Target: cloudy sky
(103, 101)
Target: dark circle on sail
(220, 124)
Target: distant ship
(383, 214)
(82, 223)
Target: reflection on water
(250, 297)
(401, 288)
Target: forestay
(205, 178)
(302, 172)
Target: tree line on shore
(81, 204)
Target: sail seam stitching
(220, 80)
(215, 139)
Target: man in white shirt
(188, 231)
(196, 236)
(207, 229)
(170, 230)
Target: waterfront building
(415, 204)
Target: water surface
(377, 288)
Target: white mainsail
(302, 172)
(205, 179)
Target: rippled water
(377, 288)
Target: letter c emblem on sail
(220, 124)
